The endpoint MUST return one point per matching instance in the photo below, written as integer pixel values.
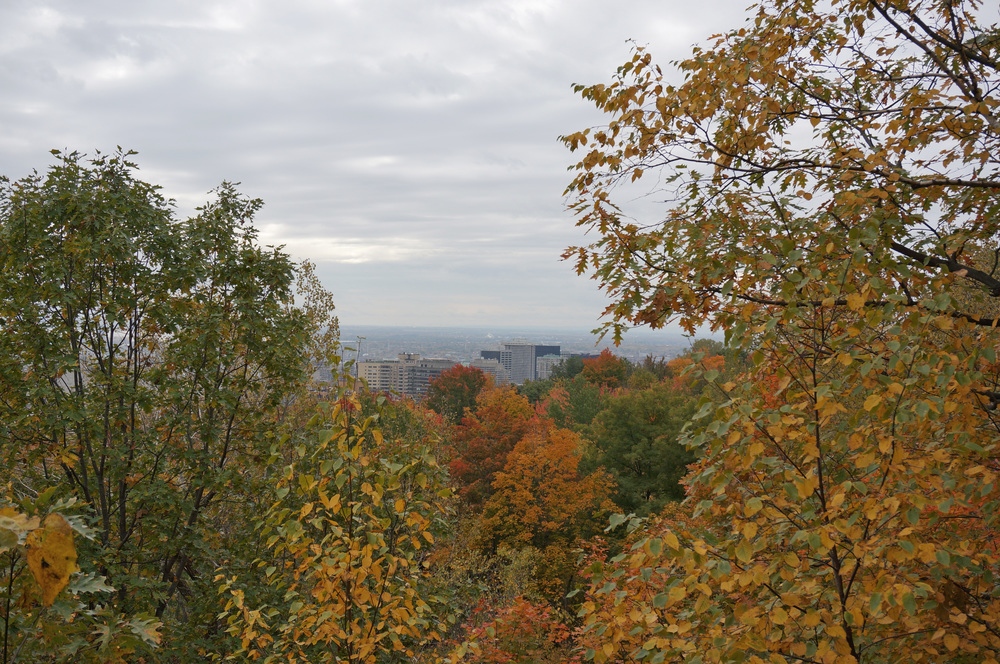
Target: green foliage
(142, 364)
(573, 404)
(347, 544)
(568, 368)
(535, 391)
(42, 618)
(636, 439)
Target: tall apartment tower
(520, 359)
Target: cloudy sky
(408, 147)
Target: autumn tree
(606, 370)
(542, 498)
(832, 174)
(455, 391)
(524, 632)
(347, 538)
(481, 442)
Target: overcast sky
(408, 147)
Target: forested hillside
(819, 486)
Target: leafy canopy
(143, 361)
(832, 173)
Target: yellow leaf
(872, 401)
(14, 520)
(951, 641)
(856, 301)
(51, 556)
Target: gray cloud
(409, 148)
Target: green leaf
(8, 539)
(875, 602)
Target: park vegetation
(818, 484)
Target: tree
(481, 443)
(142, 361)
(568, 368)
(455, 391)
(535, 391)
(606, 370)
(543, 500)
(573, 404)
(347, 541)
(522, 633)
(833, 177)
(51, 611)
(809, 146)
(636, 439)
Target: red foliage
(484, 438)
(455, 391)
(606, 370)
(522, 633)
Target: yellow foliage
(51, 556)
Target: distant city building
(322, 374)
(545, 351)
(492, 367)
(545, 364)
(520, 359)
(408, 374)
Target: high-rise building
(520, 358)
(545, 363)
(408, 374)
(492, 367)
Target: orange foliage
(542, 500)
(541, 496)
(606, 370)
(484, 438)
(522, 633)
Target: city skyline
(466, 343)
